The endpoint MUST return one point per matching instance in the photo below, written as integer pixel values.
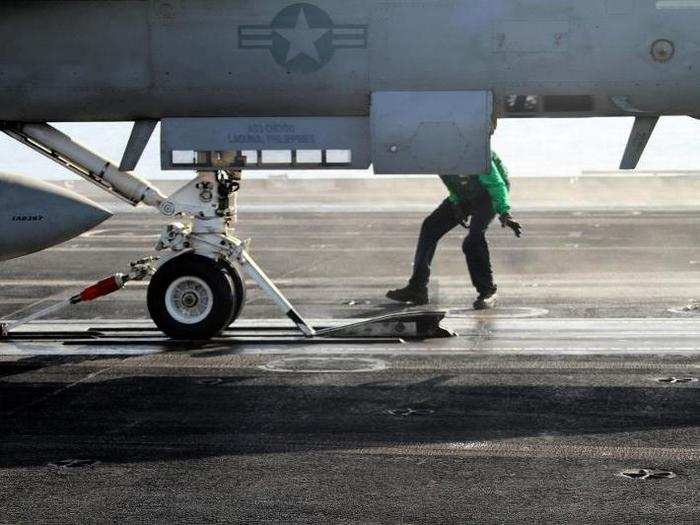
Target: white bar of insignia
(678, 4)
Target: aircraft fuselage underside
(410, 87)
(129, 60)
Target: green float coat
(463, 188)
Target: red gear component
(102, 288)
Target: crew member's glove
(508, 222)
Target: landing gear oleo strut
(198, 290)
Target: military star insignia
(302, 38)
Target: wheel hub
(189, 300)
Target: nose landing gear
(199, 291)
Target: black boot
(409, 294)
(485, 301)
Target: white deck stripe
(541, 336)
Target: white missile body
(35, 215)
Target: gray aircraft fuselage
(127, 60)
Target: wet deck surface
(531, 413)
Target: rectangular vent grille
(567, 103)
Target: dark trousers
(475, 247)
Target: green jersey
(464, 188)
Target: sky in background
(532, 147)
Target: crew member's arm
(498, 190)
(500, 166)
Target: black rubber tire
(214, 274)
(236, 274)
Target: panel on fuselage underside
(444, 132)
(265, 143)
(406, 133)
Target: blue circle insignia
(302, 38)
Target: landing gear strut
(199, 290)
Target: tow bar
(138, 271)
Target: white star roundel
(302, 38)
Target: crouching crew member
(473, 199)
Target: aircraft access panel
(405, 133)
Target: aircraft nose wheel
(189, 299)
(195, 297)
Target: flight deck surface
(532, 412)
